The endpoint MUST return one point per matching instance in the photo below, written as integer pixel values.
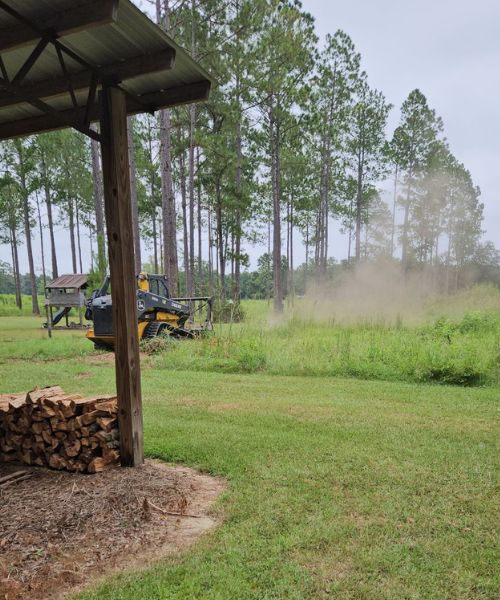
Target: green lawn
(337, 487)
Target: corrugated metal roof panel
(132, 34)
(76, 280)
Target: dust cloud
(380, 293)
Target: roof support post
(115, 166)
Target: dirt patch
(366, 520)
(83, 375)
(60, 532)
(223, 406)
(187, 402)
(311, 413)
(100, 358)
(327, 572)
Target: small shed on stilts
(63, 294)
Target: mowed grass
(25, 338)
(336, 487)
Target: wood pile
(49, 428)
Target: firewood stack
(49, 428)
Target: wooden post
(49, 321)
(115, 167)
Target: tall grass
(8, 306)
(453, 340)
(463, 350)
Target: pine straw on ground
(60, 531)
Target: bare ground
(60, 532)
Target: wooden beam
(31, 60)
(60, 119)
(113, 73)
(84, 15)
(115, 167)
(185, 94)
(193, 92)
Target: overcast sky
(449, 49)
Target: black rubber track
(154, 329)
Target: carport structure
(69, 63)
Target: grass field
(338, 487)
(448, 340)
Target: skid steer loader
(157, 312)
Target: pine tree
(10, 225)
(284, 54)
(332, 98)
(366, 149)
(419, 128)
(19, 158)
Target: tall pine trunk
(325, 179)
(133, 196)
(220, 241)
(15, 268)
(190, 278)
(276, 192)
(50, 220)
(42, 245)
(78, 239)
(291, 282)
(182, 167)
(192, 124)
(199, 223)
(27, 231)
(210, 255)
(394, 203)
(160, 240)
(238, 184)
(406, 221)
(170, 265)
(98, 208)
(359, 209)
(71, 218)
(237, 242)
(306, 271)
(155, 239)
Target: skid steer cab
(157, 312)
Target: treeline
(293, 142)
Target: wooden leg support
(115, 166)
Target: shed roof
(56, 54)
(76, 280)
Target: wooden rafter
(3, 70)
(60, 119)
(30, 61)
(135, 104)
(66, 77)
(90, 101)
(83, 16)
(115, 73)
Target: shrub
(158, 344)
(227, 312)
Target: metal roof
(100, 41)
(76, 280)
